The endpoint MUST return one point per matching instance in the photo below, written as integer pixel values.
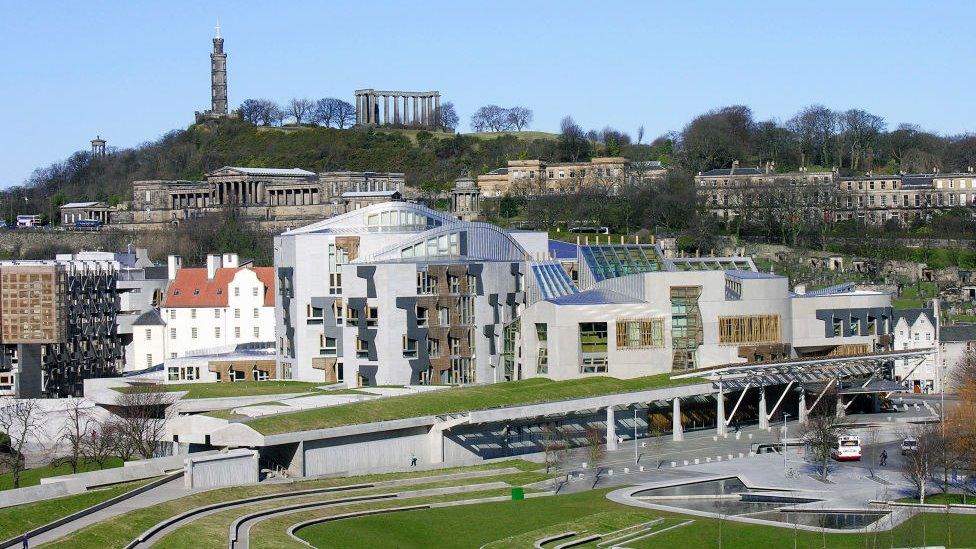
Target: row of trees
(85, 438)
(329, 112)
(492, 118)
(852, 140)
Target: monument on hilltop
(218, 83)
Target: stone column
(763, 414)
(423, 110)
(677, 431)
(396, 109)
(720, 427)
(611, 430)
(359, 109)
(416, 110)
(386, 109)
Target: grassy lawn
(118, 531)
(942, 499)
(212, 531)
(460, 399)
(16, 520)
(32, 477)
(512, 523)
(915, 297)
(228, 389)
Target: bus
(28, 221)
(87, 225)
(848, 448)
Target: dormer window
(196, 291)
(220, 291)
(176, 292)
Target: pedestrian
(413, 460)
(735, 425)
(24, 543)
(884, 457)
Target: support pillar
(396, 109)
(611, 430)
(359, 108)
(763, 415)
(416, 104)
(677, 431)
(841, 412)
(720, 426)
(386, 109)
(802, 410)
(437, 109)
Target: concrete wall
(389, 449)
(231, 468)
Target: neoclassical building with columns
(397, 108)
(264, 194)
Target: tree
(325, 111)
(447, 117)
(919, 464)
(554, 446)
(345, 114)
(142, 419)
(519, 117)
(103, 442)
(74, 434)
(300, 109)
(490, 118)
(821, 432)
(595, 451)
(21, 420)
(573, 144)
(252, 110)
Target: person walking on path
(413, 460)
(884, 457)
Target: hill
(432, 160)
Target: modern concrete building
(205, 310)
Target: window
(337, 309)
(193, 333)
(217, 332)
(362, 348)
(593, 337)
(352, 317)
(433, 347)
(337, 258)
(372, 316)
(466, 310)
(748, 329)
(422, 316)
(872, 326)
(149, 361)
(327, 345)
(454, 344)
(172, 314)
(172, 333)
(173, 374)
(216, 313)
(593, 365)
(237, 332)
(444, 316)
(237, 291)
(172, 355)
(425, 283)
(257, 332)
(256, 313)
(335, 283)
(637, 334)
(148, 334)
(254, 291)
(409, 347)
(542, 352)
(193, 313)
(237, 313)
(838, 326)
(453, 284)
(472, 284)
(314, 313)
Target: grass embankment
(915, 297)
(228, 389)
(512, 523)
(212, 531)
(32, 477)
(16, 520)
(460, 399)
(119, 530)
(942, 499)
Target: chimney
(213, 263)
(231, 261)
(173, 264)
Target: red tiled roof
(191, 288)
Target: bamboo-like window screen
(748, 329)
(640, 333)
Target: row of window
(216, 313)
(427, 284)
(328, 346)
(195, 331)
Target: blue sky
(130, 71)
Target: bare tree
(919, 463)
(519, 117)
(142, 419)
(324, 112)
(595, 451)
(300, 109)
(74, 434)
(490, 118)
(103, 442)
(21, 420)
(554, 446)
(345, 114)
(821, 432)
(251, 110)
(447, 117)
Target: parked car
(908, 446)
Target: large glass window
(542, 360)
(593, 337)
(641, 333)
